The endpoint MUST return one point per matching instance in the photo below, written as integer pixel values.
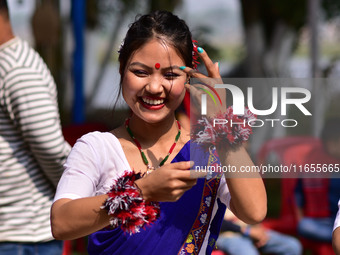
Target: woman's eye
(140, 73)
(171, 75)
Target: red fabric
(186, 103)
(316, 202)
(75, 131)
(317, 248)
(296, 150)
(316, 190)
(218, 252)
(289, 150)
(67, 249)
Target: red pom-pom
(235, 131)
(126, 206)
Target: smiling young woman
(131, 190)
(154, 94)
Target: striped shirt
(32, 147)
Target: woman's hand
(71, 219)
(207, 83)
(169, 182)
(259, 235)
(249, 200)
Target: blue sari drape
(173, 231)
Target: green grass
(327, 49)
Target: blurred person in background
(336, 233)
(317, 198)
(32, 147)
(238, 238)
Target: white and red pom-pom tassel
(126, 206)
(234, 131)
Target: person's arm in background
(32, 104)
(336, 233)
(255, 232)
(228, 225)
(336, 241)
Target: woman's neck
(150, 133)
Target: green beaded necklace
(145, 160)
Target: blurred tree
(98, 12)
(168, 5)
(49, 42)
(271, 33)
(331, 8)
(272, 30)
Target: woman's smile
(153, 92)
(152, 103)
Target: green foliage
(331, 8)
(290, 12)
(232, 53)
(202, 35)
(270, 13)
(168, 5)
(97, 12)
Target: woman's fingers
(189, 176)
(212, 68)
(193, 73)
(213, 77)
(169, 182)
(182, 165)
(206, 85)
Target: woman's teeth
(152, 101)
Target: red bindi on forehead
(157, 65)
